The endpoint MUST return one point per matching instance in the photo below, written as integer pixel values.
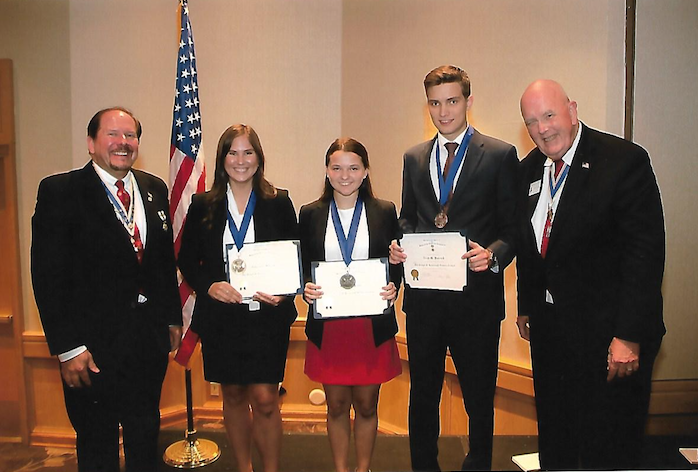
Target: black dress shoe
(475, 462)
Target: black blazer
(605, 257)
(201, 254)
(85, 271)
(382, 228)
(483, 205)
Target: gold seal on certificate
(347, 281)
(440, 219)
(238, 266)
(434, 261)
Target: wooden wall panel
(12, 394)
(673, 410)
(48, 420)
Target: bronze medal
(440, 220)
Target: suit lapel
(424, 184)
(261, 215)
(536, 176)
(320, 227)
(155, 211)
(100, 211)
(373, 222)
(576, 182)
(471, 161)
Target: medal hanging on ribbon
(238, 265)
(346, 243)
(446, 181)
(125, 215)
(555, 182)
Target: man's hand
(175, 337)
(397, 254)
(76, 371)
(524, 327)
(389, 292)
(478, 257)
(623, 358)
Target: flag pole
(191, 452)
(187, 176)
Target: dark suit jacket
(382, 228)
(482, 205)
(605, 257)
(85, 271)
(201, 254)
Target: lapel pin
(150, 197)
(585, 165)
(164, 226)
(162, 215)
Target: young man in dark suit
(480, 202)
(104, 277)
(590, 265)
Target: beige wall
(36, 36)
(390, 45)
(305, 71)
(666, 100)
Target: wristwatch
(491, 259)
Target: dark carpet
(311, 452)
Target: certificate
(434, 260)
(352, 291)
(272, 267)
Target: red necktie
(126, 201)
(549, 221)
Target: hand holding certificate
(434, 260)
(270, 267)
(347, 291)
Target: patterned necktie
(451, 148)
(549, 221)
(126, 201)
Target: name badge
(534, 188)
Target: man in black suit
(590, 265)
(104, 277)
(480, 202)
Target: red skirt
(349, 355)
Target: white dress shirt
(540, 215)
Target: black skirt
(246, 347)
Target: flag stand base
(191, 453)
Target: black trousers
(473, 340)
(583, 420)
(125, 392)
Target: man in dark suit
(104, 277)
(480, 202)
(590, 265)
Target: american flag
(187, 171)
